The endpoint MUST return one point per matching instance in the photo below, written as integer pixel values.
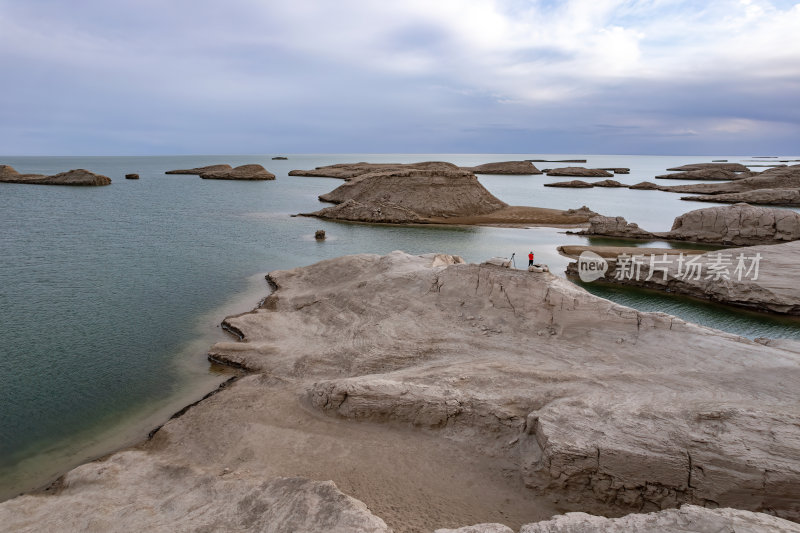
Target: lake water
(110, 296)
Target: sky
(147, 77)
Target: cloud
(355, 76)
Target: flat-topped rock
(713, 174)
(200, 170)
(78, 177)
(617, 170)
(348, 171)
(738, 224)
(580, 172)
(762, 278)
(608, 183)
(784, 197)
(575, 184)
(505, 167)
(646, 186)
(734, 167)
(244, 172)
(773, 178)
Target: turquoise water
(110, 296)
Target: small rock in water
(319, 235)
(131, 176)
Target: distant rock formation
(506, 167)
(575, 184)
(438, 196)
(734, 167)
(710, 174)
(199, 170)
(244, 172)
(646, 186)
(579, 184)
(79, 177)
(131, 176)
(773, 178)
(785, 197)
(738, 224)
(279, 158)
(580, 172)
(618, 170)
(348, 171)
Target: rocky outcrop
(280, 158)
(784, 197)
(200, 170)
(348, 171)
(733, 167)
(244, 172)
(506, 167)
(580, 172)
(615, 227)
(718, 174)
(79, 177)
(608, 183)
(774, 178)
(131, 176)
(618, 170)
(739, 224)
(687, 519)
(409, 196)
(579, 184)
(159, 496)
(595, 401)
(428, 193)
(762, 278)
(574, 184)
(646, 186)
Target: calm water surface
(110, 296)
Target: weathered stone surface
(199, 170)
(614, 227)
(505, 167)
(244, 172)
(774, 178)
(618, 170)
(575, 184)
(479, 528)
(714, 173)
(738, 224)
(79, 177)
(646, 186)
(687, 519)
(131, 176)
(733, 167)
(763, 278)
(380, 212)
(580, 172)
(596, 401)
(785, 197)
(427, 193)
(148, 495)
(348, 171)
(608, 183)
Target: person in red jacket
(530, 258)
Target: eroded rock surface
(615, 227)
(738, 224)
(599, 402)
(348, 171)
(580, 172)
(244, 172)
(714, 173)
(574, 184)
(733, 167)
(763, 278)
(79, 177)
(786, 197)
(200, 170)
(520, 168)
(773, 178)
